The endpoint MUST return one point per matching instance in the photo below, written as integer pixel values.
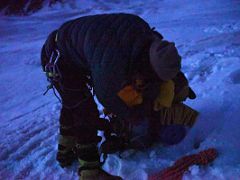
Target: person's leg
(78, 121)
(67, 139)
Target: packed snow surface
(207, 34)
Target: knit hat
(164, 59)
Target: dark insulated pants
(79, 114)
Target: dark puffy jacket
(110, 48)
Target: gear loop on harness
(54, 75)
(51, 68)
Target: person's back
(123, 60)
(110, 48)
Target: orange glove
(130, 96)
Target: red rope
(176, 171)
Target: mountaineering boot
(65, 154)
(90, 166)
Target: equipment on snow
(168, 126)
(182, 165)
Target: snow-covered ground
(207, 34)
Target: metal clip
(51, 68)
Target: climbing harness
(54, 75)
(51, 69)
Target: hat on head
(165, 59)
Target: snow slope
(207, 34)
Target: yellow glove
(165, 97)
